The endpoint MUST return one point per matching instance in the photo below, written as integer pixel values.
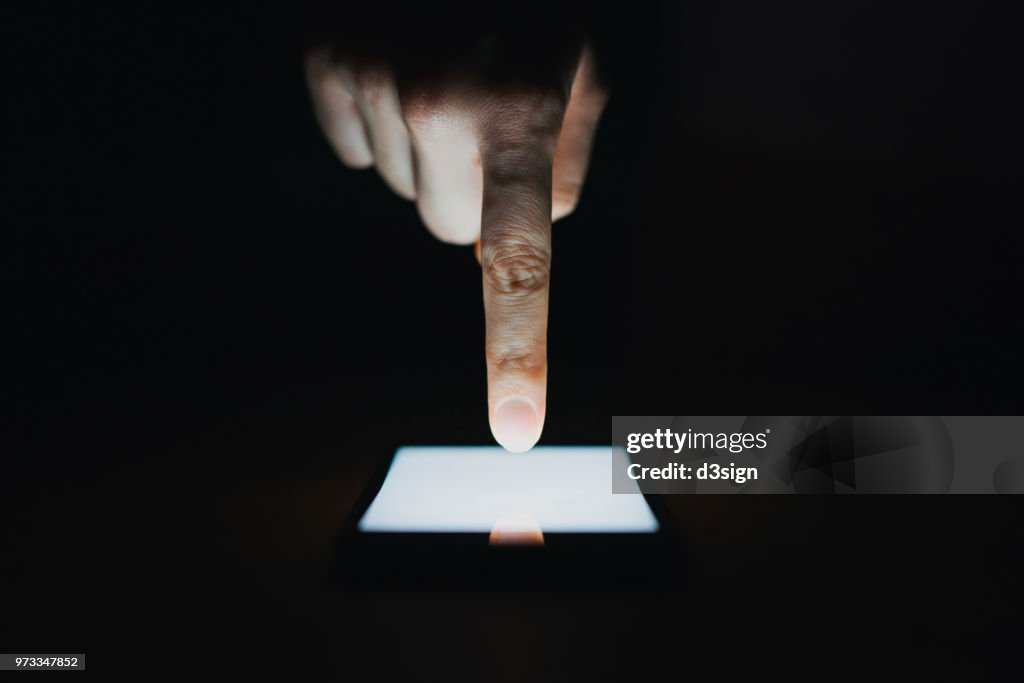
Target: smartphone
(476, 515)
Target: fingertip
(517, 424)
(449, 228)
(561, 208)
(401, 182)
(357, 160)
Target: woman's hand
(491, 155)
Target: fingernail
(516, 424)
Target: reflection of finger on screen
(517, 528)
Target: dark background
(213, 331)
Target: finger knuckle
(513, 159)
(426, 111)
(522, 116)
(374, 81)
(516, 359)
(516, 266)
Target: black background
(213, 331)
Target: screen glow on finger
(448, 489)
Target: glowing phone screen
(445, 489)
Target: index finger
(516, 152)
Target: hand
(491, 154)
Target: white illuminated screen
(467, 489)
